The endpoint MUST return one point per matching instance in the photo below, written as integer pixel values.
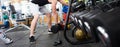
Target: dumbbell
(55, 28)
(78, 6)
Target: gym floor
(20, 37)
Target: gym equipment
(17, 19)
(55, 28)
(79, 34)
(65, 9)
(13, 11)
(5, 16)
(108, 26)
(58, 27)
(64, 16)
(13, 16)
(95, 25)
(3, 7)
(78, 6)
(6, 24)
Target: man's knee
(35, 18)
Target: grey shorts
(35, 9)
(44, 9)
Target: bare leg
(56, 18)
(33, 25)
(49, 20)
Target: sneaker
(50, 32)
(10, 41)
(32, 39)
(5, 39)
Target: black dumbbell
(78, 6)
(55, 28)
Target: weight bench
(18, 19)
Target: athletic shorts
(35, 9)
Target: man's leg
(33, 25)
(49, 21)
(34, 9)
(56, 18)
(32, 28)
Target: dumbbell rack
(98, 29)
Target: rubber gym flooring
(20, 37)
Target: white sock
(49, 29)
(32, 35)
